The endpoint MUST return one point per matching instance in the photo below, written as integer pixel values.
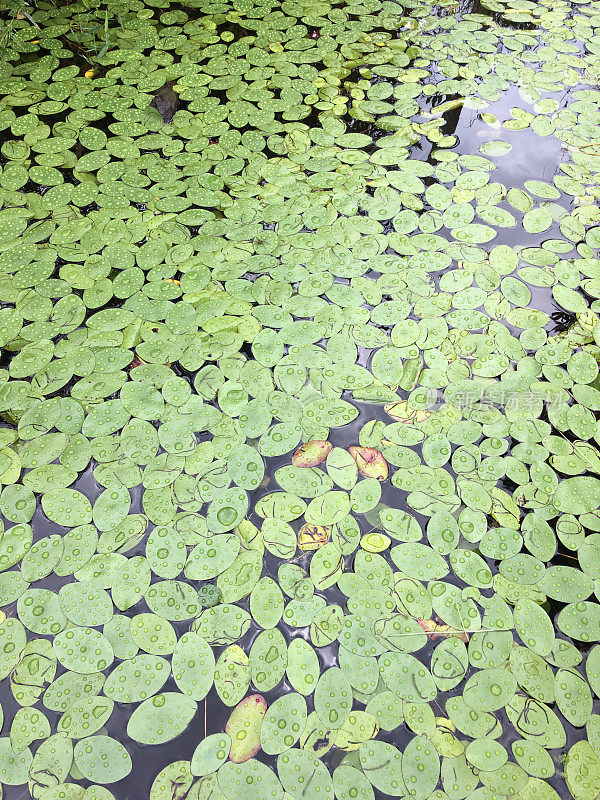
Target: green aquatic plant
(300, 387)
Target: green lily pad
(161, 718)
(102, 759)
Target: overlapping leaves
(222, 246)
